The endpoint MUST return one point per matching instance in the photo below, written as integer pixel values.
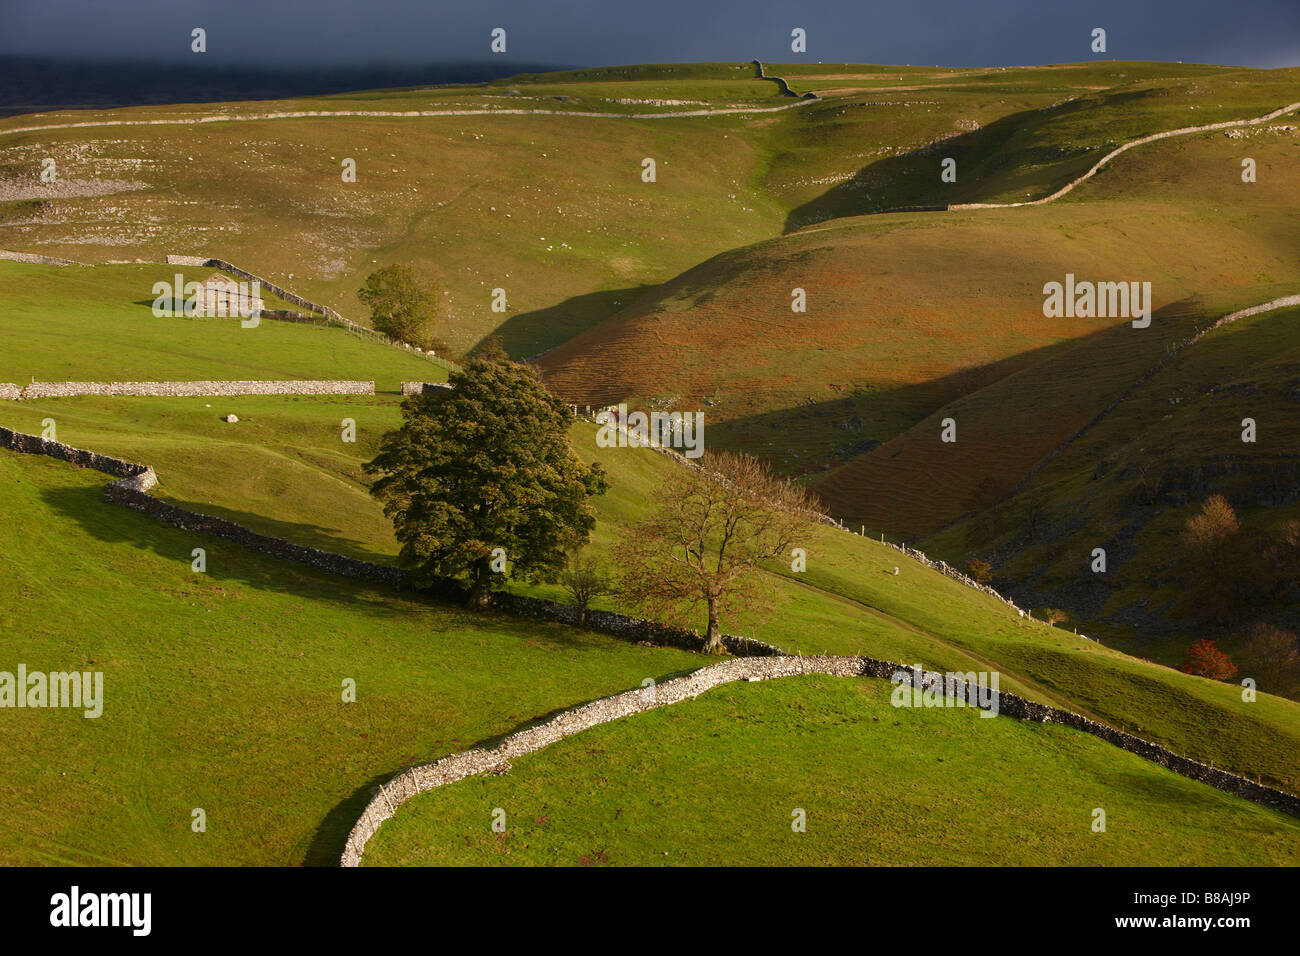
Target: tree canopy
(481, 482)
(400, 306)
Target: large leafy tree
(400, 306)
(484, 465)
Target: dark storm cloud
(589, 32)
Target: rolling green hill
(716, 782)
(222, 691)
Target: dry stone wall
(1186, 130)
(389, 796)
(139, 479)
(941, 566)
(781, 83)
(35, 445)
(34, 259)
(212, 389)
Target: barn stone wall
(419, 388)
(332, 317)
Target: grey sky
(603, 32)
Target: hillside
(476, 194)
(283, 471)
(1132, 480)
(223, 688)
(716, 782)
(222, 691)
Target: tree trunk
(713, 640)
(478, 592)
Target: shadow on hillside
(526, 335)
(832, 427)
(837, 433)
(307, 535)
(226, 561)
(230, 562)
(912, 180)
(331, 836)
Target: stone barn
(223, 295)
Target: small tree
(702, 544)
(1053, 615)
(1034, 512)
(1216, 560)
(980, 570)
(482, 466)
(399, 306)
(585, 579)
(1215, 524)
(1273, 657)
(1206, 660)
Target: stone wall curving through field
(389, 796)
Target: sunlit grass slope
(718, 781)
(61, 323)
(223, 690)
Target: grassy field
(223, 690)
(67, 324)
(715, 781)
(282, 470)
(552, 208)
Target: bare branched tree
(702, 544)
